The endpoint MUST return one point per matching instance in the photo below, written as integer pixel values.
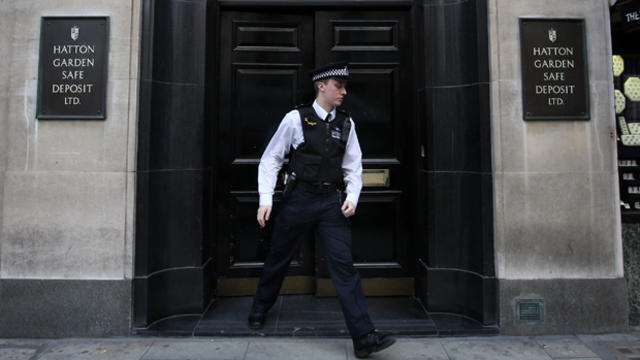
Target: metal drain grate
(530, 311)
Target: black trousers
(297, 213)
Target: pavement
(609, 346)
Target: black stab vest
(319, 157)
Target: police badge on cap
(337, 70)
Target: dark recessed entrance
(217, 78)
(265, 59)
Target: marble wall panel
(558, 225)
(542, 146)
(63, 225)
(595, 13)
(555, 182)
(28, 12)
(68, 192)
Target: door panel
(376, 45)
(265, 61)
(253, 86)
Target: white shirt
(289, 134)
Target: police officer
(325, 155)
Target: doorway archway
(439, 219)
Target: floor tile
(475, 349)
(605, 345)
(312, 328)
(612, 346)
(228, 317)
(313, 315)
(396, 307)
(298, 350)
(450, 324)
(565, 347)
(197, 350)
(16, 353)
(408, 350)
(308, 315)
(87, 349)
(310, 303)
(178, 325)
(630, 350)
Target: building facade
(124, 224)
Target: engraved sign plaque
(555, 84)
(630, 13)
(72, 79)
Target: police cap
(337, 70)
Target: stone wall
(556, 195)
(66, 205)
(631, 246)
(5, 43)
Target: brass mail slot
(375, 177)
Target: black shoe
(256, 319)
(370, 343)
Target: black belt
(319, 187)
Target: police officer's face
(334, 91)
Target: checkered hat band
(331, 73)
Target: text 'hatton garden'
(73, 68)
(554, 72)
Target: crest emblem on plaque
(553, 35)
(75, 32)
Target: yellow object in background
(618, 65)
(620, 101)
(632, 88)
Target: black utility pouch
(288, 188)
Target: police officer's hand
(263, 215)
(348, 209)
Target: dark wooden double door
(264, 65)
